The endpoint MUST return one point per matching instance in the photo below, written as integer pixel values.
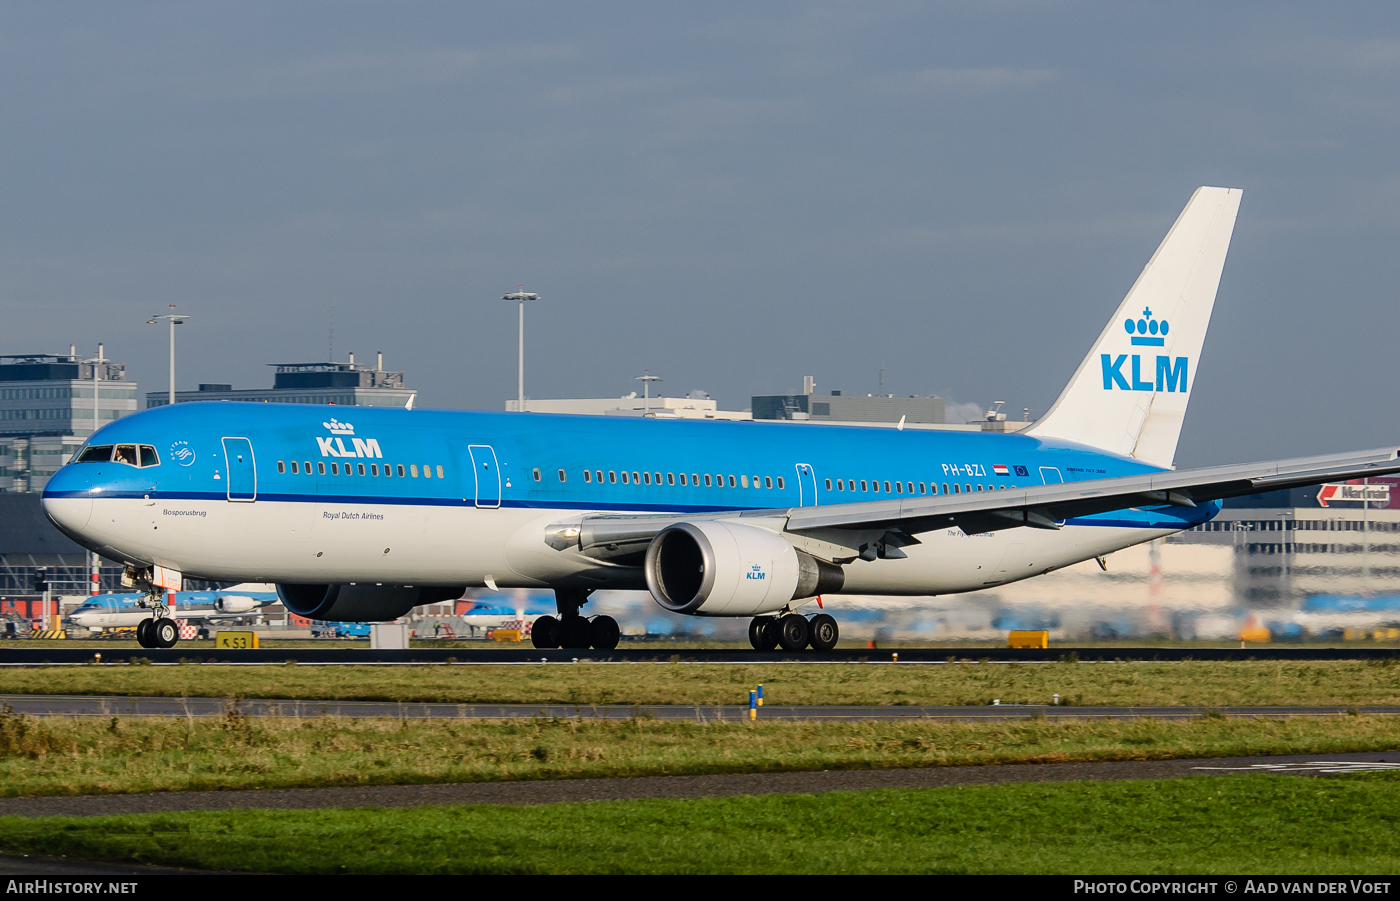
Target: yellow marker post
(753, 706)
(235, 639)
(760, 694)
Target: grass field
(1199, 825)
(1193, 683)
(58, 756)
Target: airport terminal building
(343, 384)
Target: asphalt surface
(16, 653)
(558, 791)
(113, 705)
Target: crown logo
(1147, 331)
(339, 428)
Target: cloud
(957, 413)
(964, 82)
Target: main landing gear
(572, 630)
(794, 632)
(157, 632)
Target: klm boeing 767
(364, 514)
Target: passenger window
(295, 469)
(99, 454)
(126, 453)
(587, 475)
(887, 487)
(743, 481)
(780, 482)
(979, 487)
(732, 483)
(863, 486)
(624, 477)
(646, 477)
(412, 469)
(682, 478)
(612, 476)
(694, 479)
(956, 490)
(374, 469)
(875, 485)
(281, 467)
(398, 470)
(670, 478)
(966, 489)
(707, 480)
(656, 477)
(335, 469)
(428, 472)
(898, 487)
(563, 477)
(634, 478)
(536, 471)
(148, 456)
(359, 469)
(945, 487)
(840, 484)
(598, 476)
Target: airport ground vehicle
(366, 517)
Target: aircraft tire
(545, 632)
(165, 633)
(793, 632)
(825, 632)
(763, 634)
(143, 633)
(603, 632)
(574, 633)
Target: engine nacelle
(361, 603)
(233, 603)
(722, 568)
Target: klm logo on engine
(334, 446)
(1169, 374)
(756, 572)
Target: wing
(892, 523)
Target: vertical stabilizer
(1129, 395)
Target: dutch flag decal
(1000, 470)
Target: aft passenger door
(487, 474)
(1050, 475)
(242, 475)
(806, 485)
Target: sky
(949, 197)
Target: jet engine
(722, 568)
(233, 603)
(361, 603)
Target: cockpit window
(99, 454)
(126, 453)
(148, 456)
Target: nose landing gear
(157, 632)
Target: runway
(18, 654)
(116, 705)
(559, 791)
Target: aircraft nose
(68, 499)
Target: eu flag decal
(1021, 471)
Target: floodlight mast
(174, 319)
(646, 378)
(96, 362)
(520, 295)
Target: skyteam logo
(182, 453)
(335, 446)
(756, 572)
(1146, 332)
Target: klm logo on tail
(1170, 374)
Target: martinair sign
(1170, 375)
(1375, 494)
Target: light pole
(174, 319)
(646, 378)
(520, 295)
(96, 362)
